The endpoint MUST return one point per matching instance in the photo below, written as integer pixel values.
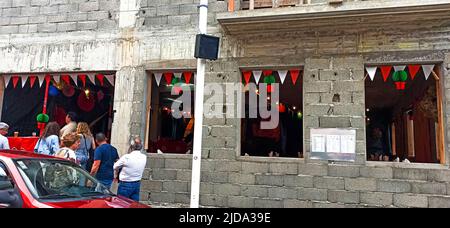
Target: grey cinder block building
(377, 68)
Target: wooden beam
(252, 5)
(148, 107)
(440, 136)
(230, 5)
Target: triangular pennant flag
(82, 78)
(427, 69)
(282, 74)
(57, 78)
(24, 80)
(32, 80)
(385, 72)
(101, 79)
(74, 78)
(187, 77)
(15, 81)
(41, 78)
(158, 77)
(371, 71)
(413, 70)
(399, 68)
(247, 75)
(110, 79)
(168, 77)
(7, 79)
(91, 78)
(267, 72)
(294, 75)
(66, 79)
(177, 75)
(257, 75)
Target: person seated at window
(375, 146)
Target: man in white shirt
(4, 144)
(132, 167)
(71, 124)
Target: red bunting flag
(413, 70)
(101, 78)
(187, 76)
(294, 75)
(385, 72)
(66, 79)
(15, 81)
(32, 80)
(267, 72)
(247, 76)
(82, 77)
(168, 77)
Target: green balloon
(42, 118)
(269, 79)
(400, 76)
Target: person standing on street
(104, 157)
(4, 144)
(87, 145)
(132, 167)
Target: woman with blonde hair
(87, 145)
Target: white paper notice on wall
(333, 144)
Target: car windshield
(56, 180)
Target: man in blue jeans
(104, 157)
(131, 168)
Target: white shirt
(69, 128)
(133, 165)
(4, 143)
(66, 153)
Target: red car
(30, 180)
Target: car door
(9, 195)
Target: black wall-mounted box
(207, 47)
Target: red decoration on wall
(187, 76)
(267, 72)
(86, 103)
(413, 70)
(385, 72)
(32, 80)
(101, 79)
(247, 76)
(83, 79)
(168, 77)
(66, 79)
(294, 75)
(15, 80)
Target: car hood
(104, 202)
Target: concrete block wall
(169, 13)
(49, 16)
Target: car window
(5, 179)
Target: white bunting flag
(282, 74)
(7, 79)
(74, 78)
(91, 77)
(41, 79)
(24, 80)
(177, 75)
(371, 71)
(427, 69)
(57, 78)
(158, 77)
(257, 75)
(399, 68)
(110, 78)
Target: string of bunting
(269, 77)
(386, 71)
(172, 78)
(67, 78)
